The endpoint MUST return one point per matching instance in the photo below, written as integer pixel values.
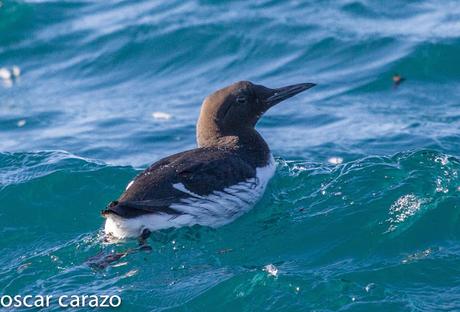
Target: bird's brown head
(235, 109)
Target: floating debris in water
(224, 251)
(417, 256)
(335, 160)
(21, 123)
(271, 269)
(8, 75)
(397, 80)
(161, 116)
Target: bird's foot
(143, 246)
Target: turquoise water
(363, 213)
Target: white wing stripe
(181, 187)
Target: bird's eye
(241, 99)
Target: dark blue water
(363, 213)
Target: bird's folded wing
(194, 173)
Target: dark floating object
(397, 80)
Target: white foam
(271, 269)
(161, 115)
(335, 160)
(405, 207)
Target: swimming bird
(210, 185)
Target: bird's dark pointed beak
(281, 94)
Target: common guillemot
(213, 184)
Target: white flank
(214, 210)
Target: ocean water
(363, 213)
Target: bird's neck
(245, 141)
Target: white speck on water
(119, 264)
(271, 269)
(161, 116)
(5, 73)
(21, 123)
(440, 188)
(131, 273)
(335, 160)
(9, 74)
(442, 160)
(369, 287)
(16, 71)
